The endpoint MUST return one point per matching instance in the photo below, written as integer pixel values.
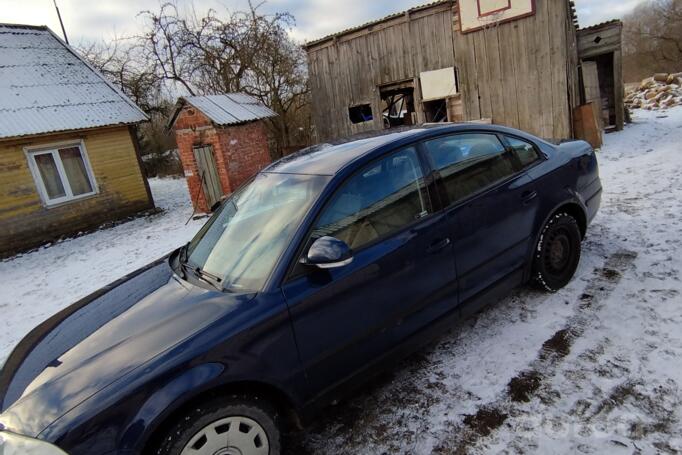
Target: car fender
(190, 386)
(572, 197)
(164, 401)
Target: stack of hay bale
(658, 92)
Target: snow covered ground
(595, 368)
(38, 284)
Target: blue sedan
(323, 269)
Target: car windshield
(242, 241)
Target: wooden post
(132, 129)
(619, 89)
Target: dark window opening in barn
(436, 111)
(397, 104)
(360, 114)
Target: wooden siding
(522, 74)
(610, 39)
(26, 222)
(348, 70)
(602, 40)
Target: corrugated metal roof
(226, 109)
(46, 87)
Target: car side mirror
(329, 253)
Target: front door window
(379, 200)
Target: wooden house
(68, 151)
(512, 62)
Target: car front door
(401, 278)
(492, 210)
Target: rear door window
(524, 151)
(469, 163)
(381, 199)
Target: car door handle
(528, 196)
(438, 246)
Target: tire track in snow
(523, 387)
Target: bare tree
(122, 63)
(653, 39)
(239, 51)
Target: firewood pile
(660, 91)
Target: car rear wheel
(235, 426)
(558, 252)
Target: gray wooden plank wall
(521, 73)
(347, 70)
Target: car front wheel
(558, 252)
(234, 426)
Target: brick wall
(245, 150)
(240, 151)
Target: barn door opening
(208, 173)
(441, 100)
(397, 102)
(607, 88)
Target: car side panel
(570, 175)
(494, 233)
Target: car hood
(100, 339)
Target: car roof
(330, 158)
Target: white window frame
(53, 149)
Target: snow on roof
(226, 109)
(45, 86)
(611, 23)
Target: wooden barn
(513, 62)
(68, 151)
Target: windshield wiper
(206, 277)
(204, 273)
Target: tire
(557, 254)
(234, 425)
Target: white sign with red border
(478, 14)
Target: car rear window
(524, 151)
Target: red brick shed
(222, 141)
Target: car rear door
(401, 278)
(492, 206)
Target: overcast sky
(104, 19)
